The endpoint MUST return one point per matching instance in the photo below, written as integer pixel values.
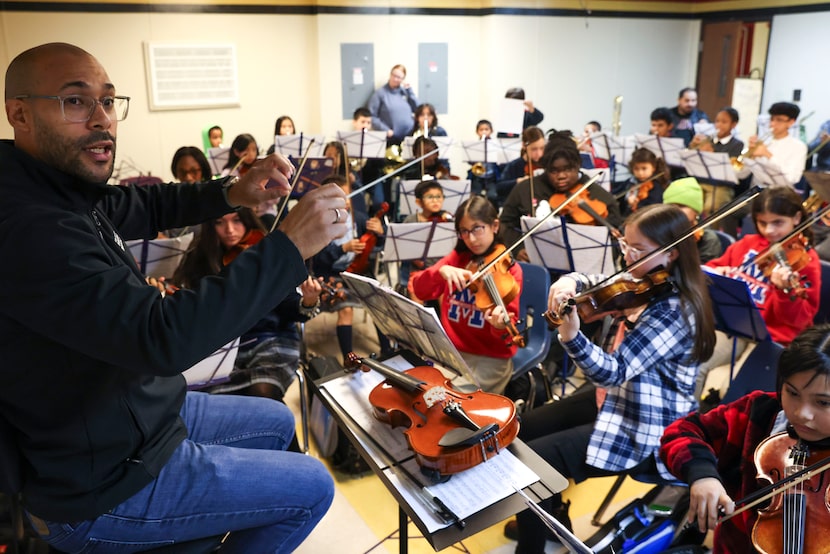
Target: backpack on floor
(640, 527)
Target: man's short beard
(65, 154)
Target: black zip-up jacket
(92, 356)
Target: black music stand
(510, 149)
(735, 312)
(159, 257)
(564, 247)
(214, 369)
(296, 145)
(387, 453)
(455, 191)
(480, 151)
(363, 144)
(766, 173)
(608, 147)
(418, 241)
(443, 143)
(668, 148)
(218, 158)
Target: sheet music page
(668, 148)
(510, 149)
(709, 165)
(215, 368)
(589, 245)
(766, 172)
(410, 323)
(467, 492)
(510, 116)
(162, 256)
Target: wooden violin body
(792, 253)
(497, 287)
(575, 212)
(369, 239)
(614, 298)
(794, 521)
(449, 431)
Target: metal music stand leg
(303, 407)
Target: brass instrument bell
(478, 169)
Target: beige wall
(571, 67)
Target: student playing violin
(269, 352)
(649, 178)
(516, 171)
(479, 334)
(561, 163)
(786, 312)
(775, 212)
(648, 380)
(429, 197)
(714, 452)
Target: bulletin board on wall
(191, 76)
(746, 98)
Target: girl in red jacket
(480, 336)
(775, 212)
(714, 452)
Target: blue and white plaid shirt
(650, 381)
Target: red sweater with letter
(785, 317)
(464, 323)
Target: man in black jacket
(114, 450)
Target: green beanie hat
(686, 192)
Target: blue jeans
(230, 474)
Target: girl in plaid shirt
(648, 380)
(714, 452)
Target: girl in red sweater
(479, 336)
(775, 212)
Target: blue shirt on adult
(392, 108)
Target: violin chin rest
(461, 436)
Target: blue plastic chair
(823, 314)
(532, 303)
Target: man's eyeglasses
(634, 254)
(434, 197)
(78, 108)
(476, 231)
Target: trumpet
(478, 169)
(707, 139)
(738, 163)
(394, 159)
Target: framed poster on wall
(189, 76)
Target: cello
(448, 430)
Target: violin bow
(410, 163)
(584, 206)
(484, 269)
(755, 498)
(293, 184)
(730, 208)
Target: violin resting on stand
(448, 430)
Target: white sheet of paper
(472, 490)
(511, 115)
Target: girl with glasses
(613, 425)
(480, 336)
